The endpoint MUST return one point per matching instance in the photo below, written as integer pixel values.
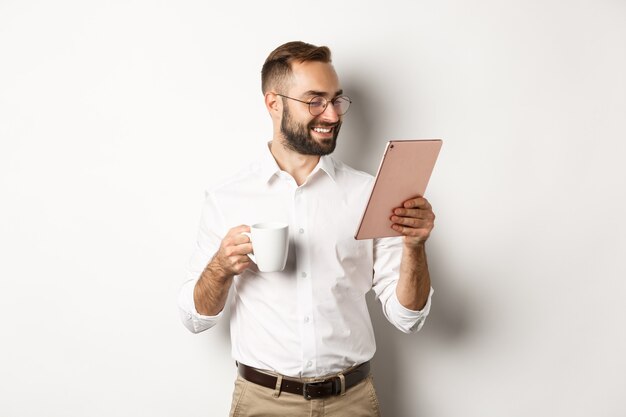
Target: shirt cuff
(409, 321)
(190, 317)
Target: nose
(330, 114)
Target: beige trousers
(252, 400)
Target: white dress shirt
(311, 319)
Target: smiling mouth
(322, 129)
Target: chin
(328, 146)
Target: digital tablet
(403, 174)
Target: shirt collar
(328, 166)
(269, 167)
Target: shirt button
(301, 231)
(306, 319)
(303, 275)
(309, 363)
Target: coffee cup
(270, 243)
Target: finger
(236, 236)
(411, 222)
(238, 250)
(415, 213)
(239, 267)
(237, 230)
(238, 239)
(410, 231)
(242, 259)
(417, 202)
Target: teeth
(321, 130)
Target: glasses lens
(341, 105)
(317, 105)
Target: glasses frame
(326, 101)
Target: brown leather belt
(309, 390)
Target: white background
(114, 117)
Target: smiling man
(302, 338)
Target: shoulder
(241, 179)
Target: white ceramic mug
(270, 243)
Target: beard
(298, 136)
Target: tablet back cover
(403, 174)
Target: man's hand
(231, 258)
(211, 290)
(415, 220)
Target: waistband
(333, 385)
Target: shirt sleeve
(387, 257)
(207, 243)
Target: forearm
(414, 284)
(211, 290)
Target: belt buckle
(335, 388)
(305, 389)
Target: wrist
(415, 246)
(216, 273)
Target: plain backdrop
(116, 115)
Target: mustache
(324, 124)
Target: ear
(271, 102)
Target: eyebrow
(322, 93)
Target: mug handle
(250, 255)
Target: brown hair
(277, 66)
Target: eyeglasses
(318, 104)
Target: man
(302, 337)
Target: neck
(297, 165)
